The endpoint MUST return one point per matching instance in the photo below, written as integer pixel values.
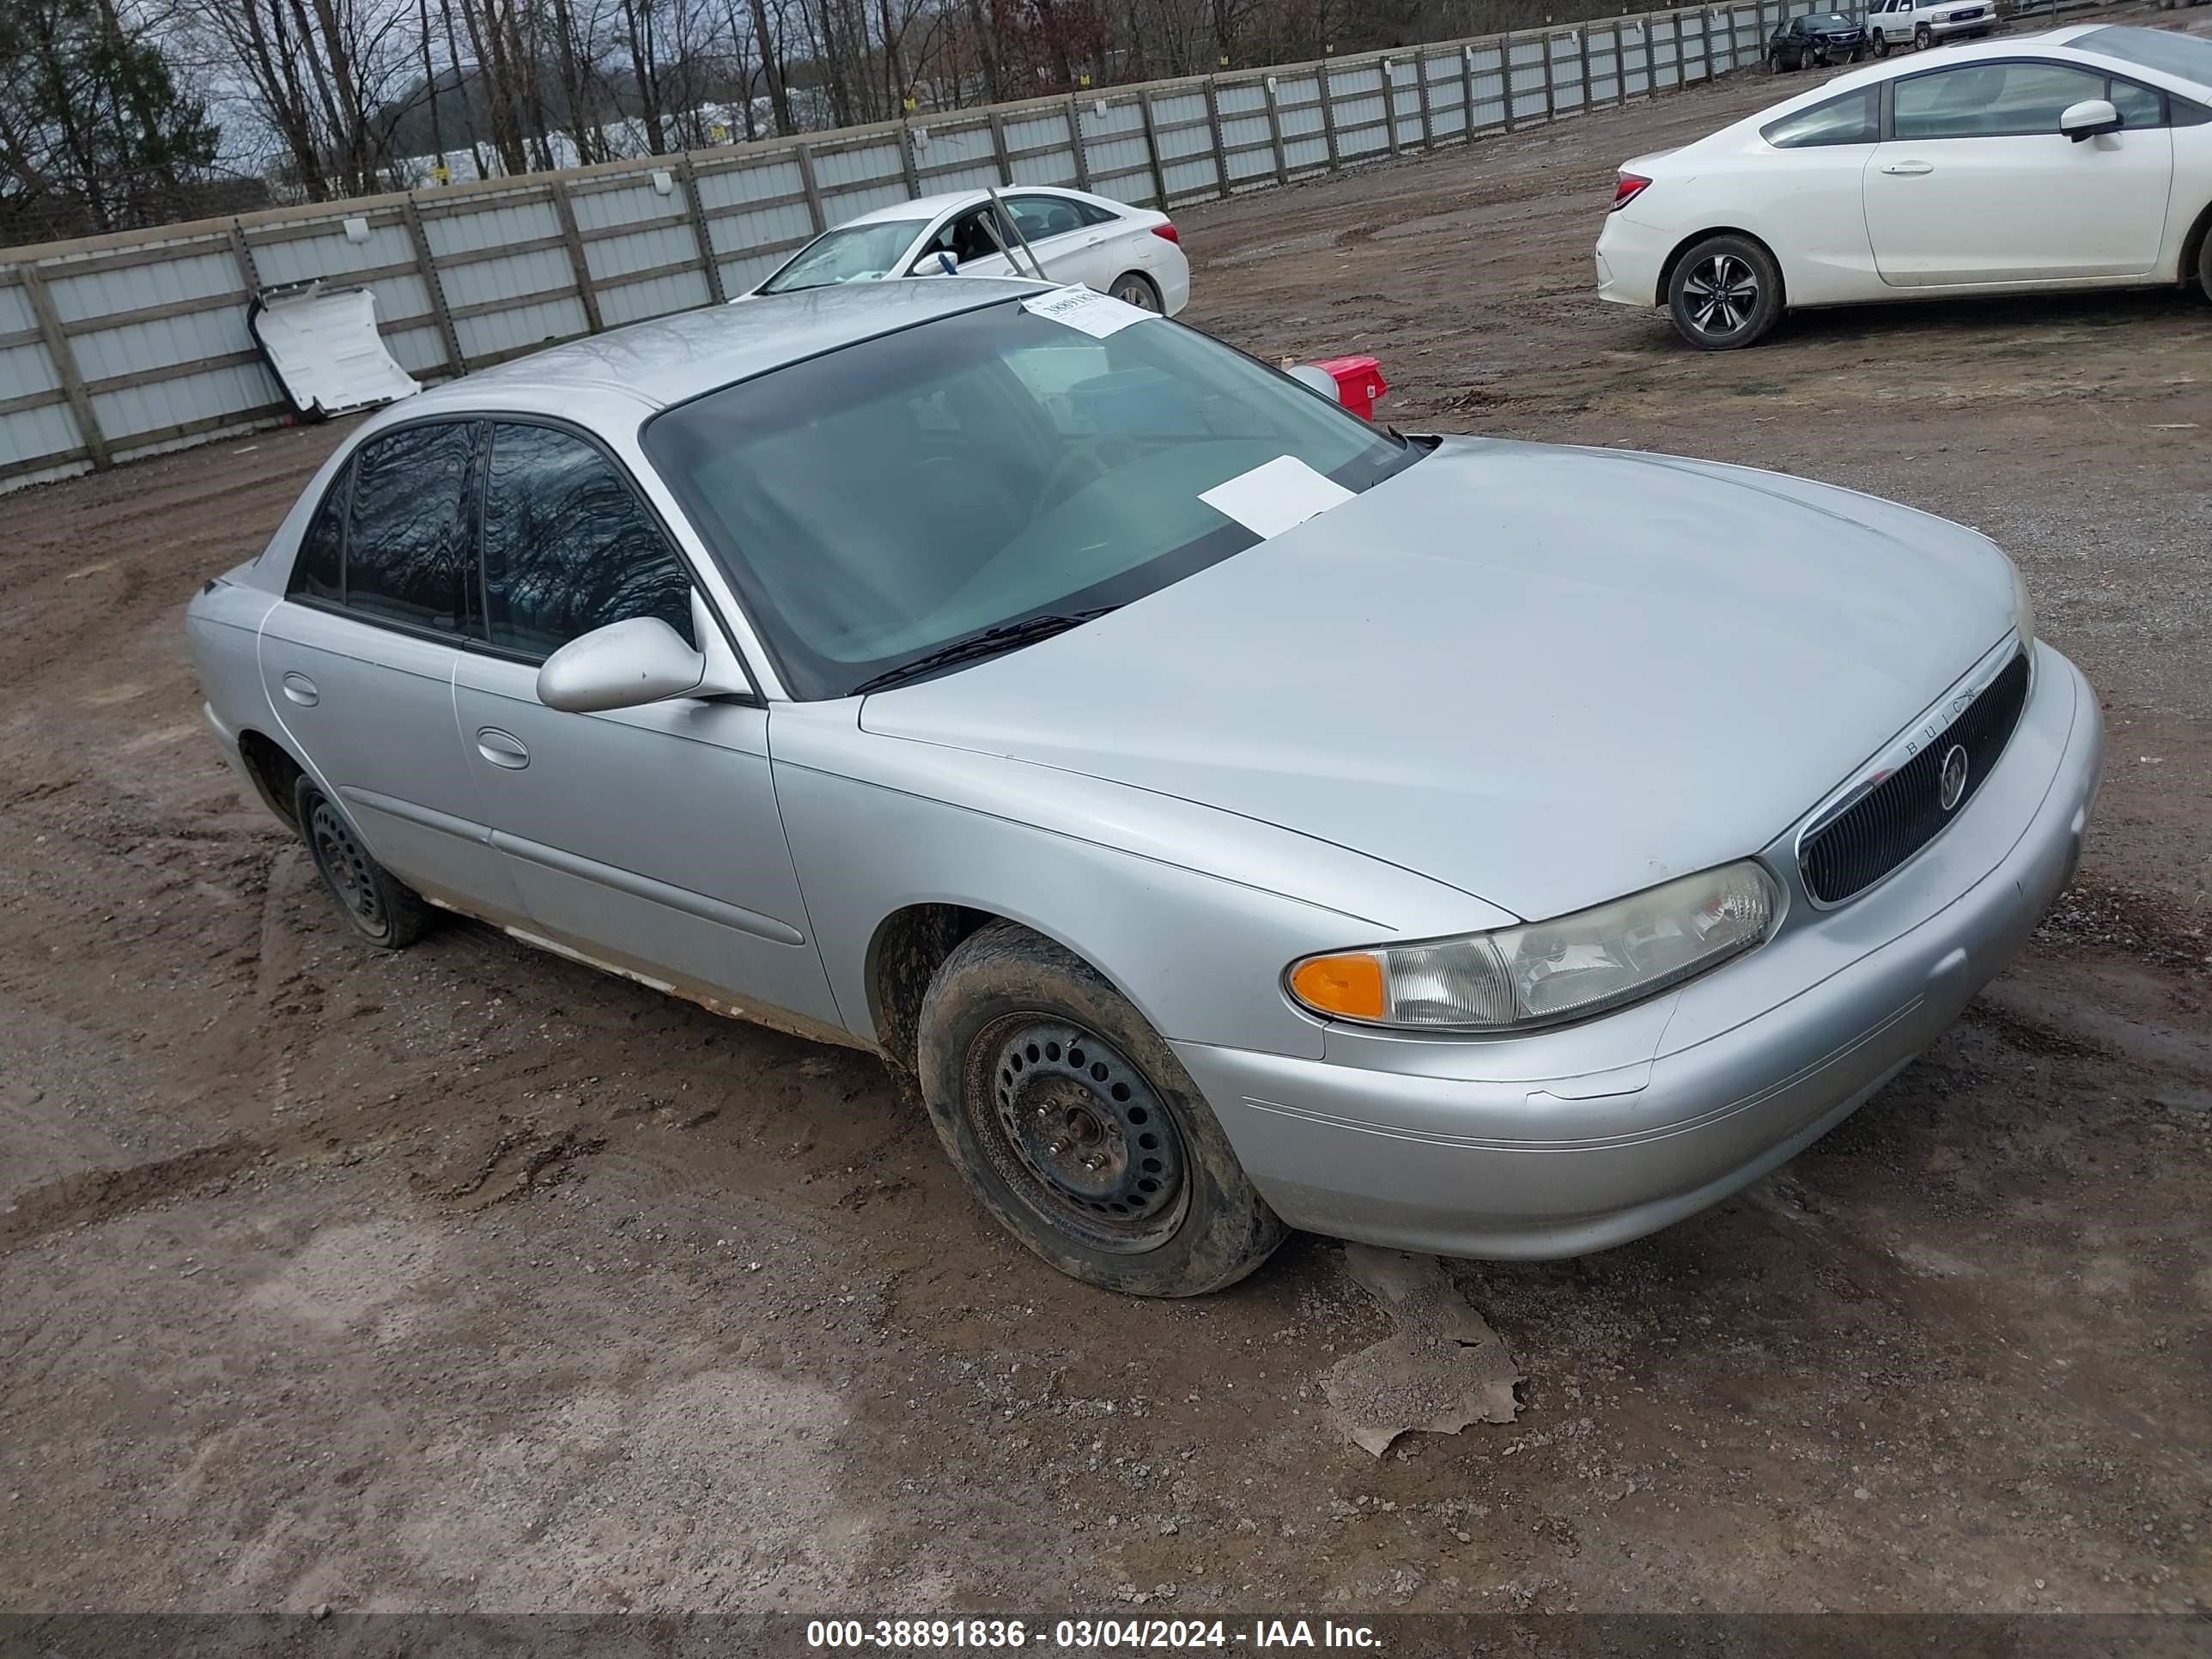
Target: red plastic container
(1360, 382)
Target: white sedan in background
(2078, 159)
(1131, 253)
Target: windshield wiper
(986, 642)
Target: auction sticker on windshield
(1096, 314)
(1275, 495)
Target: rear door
(646, 839)
(359, 659)
(1072, 246)
(1976, 184)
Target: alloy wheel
(1133, 291)
(1721, 292)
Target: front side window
(851, 253)
(2139, 106)
(568, 546)
(407, 545)
(1989, 101)
(876, 503)
(965, 238)
(1853, 118)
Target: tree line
(117, 114)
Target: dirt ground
(468, 1278)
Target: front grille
(1904, 812)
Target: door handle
(502, 748)
(1909, 169)
(301, 689)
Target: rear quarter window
(1853, 118)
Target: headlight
(2023, 609)
(1543, 973)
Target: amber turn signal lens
(1347, 985)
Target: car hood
(1547, 676)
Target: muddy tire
(1922, 38)
(1073, 1123)
(1881, 46)
(380, 907)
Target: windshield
(851, 253)
(876, 503)
(2189, 56)
(1829, 21)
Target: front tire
(1881, 46)
(378, 906)
(1075, 1125)
(1922, 38)
(1726, 292)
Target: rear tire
(380, 907)
(2204, 261)
(1134, 287)
(1726, 292)
(1075, 1125)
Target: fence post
(998, 150)
(577, 263)
(701, 232)
(1551, 95)
(805, 152)
(1582, 64)
(429, 268)
(906, 159)
(1075, 144)
(1213, 123)
(58, 348)
(1466, 92)
(1421, 82)
(1152, 152)
(1705, 18)
(244, 255)
(1389, 102)
(1328, 116)
(1275, 133)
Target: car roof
(671, 359)
(2059, 43)
(933, 207)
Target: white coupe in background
(1130, 252)
(2078, 159)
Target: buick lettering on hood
(1230, 814)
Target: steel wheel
(1722, 293)
(1079, 1132)
(347, 867)
(1134, 289)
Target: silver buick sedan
(1233, 816)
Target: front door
(1976, 183)
(646, 839)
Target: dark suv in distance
(1822, 38)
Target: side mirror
(2087, 118)
(938, 263)
(625, 665)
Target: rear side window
(319, 572)
(568, 546)
(407, 550)
(1853, 118)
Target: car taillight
(1170, 232)
(1628, 190)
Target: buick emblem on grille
(1955, 776)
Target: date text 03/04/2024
(1082, 1634)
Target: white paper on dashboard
(1096, 314)
(1275, 495)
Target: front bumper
(1466, 1148)
(1967, 29)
